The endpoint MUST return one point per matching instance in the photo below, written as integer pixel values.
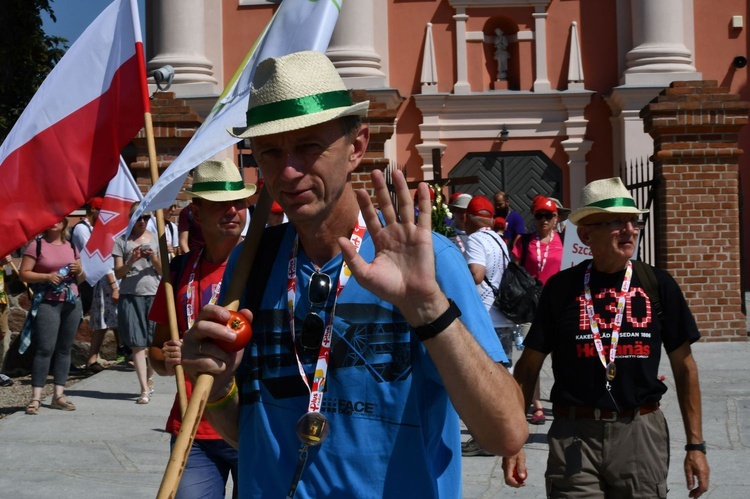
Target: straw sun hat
(219, 181)
(605, 196)
(296, 91)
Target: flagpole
(192, 416)
(166, 275)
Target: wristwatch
(701, 447)
(440, 324)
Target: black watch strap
(701, 447)
(440, 324)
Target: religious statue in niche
(501, 54)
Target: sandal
(62, 406)
(150, 384)
(95, 368)
(33, 409)
(144, 399)
(537, 417)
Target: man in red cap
(487, 257)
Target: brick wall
(174, 123)
(695, 126)
(381, 118)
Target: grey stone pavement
(112, 448)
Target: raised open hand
(403, 270)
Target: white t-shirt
(486, 248)
(81, 234)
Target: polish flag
(96, 256)
(65, 147)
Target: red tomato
(239, 324)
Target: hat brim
(299, 122)
(577, 215)
(220, 196)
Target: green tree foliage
(27, 55)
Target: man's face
(608, 245)
(94, 214)
(501, 205)
(224, 219)
(307, 170)
(459, 215)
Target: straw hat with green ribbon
(219, 181)
(296, 91)
(605, 196)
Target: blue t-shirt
(393, 430)
(513, 227)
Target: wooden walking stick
(166, 277)
(201, 389)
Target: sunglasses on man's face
(313, 326)
(145, 218)
(543, 215)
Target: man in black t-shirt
(606, 321)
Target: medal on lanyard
(609, 364)
(313, 427)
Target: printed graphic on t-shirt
(635, 334)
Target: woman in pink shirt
(51, 265)
(540, 252)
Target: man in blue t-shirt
(514, 226)
(359, 366)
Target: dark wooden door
(522, 175)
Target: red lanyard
(541, 262)
(616, 326)
(193, 298)
(321, 368)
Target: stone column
(178, 39)
(462, 80)
(541, 81)
(695, 126)
(352, 46)
(658, 42)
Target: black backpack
(518, 295)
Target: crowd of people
(373, 337)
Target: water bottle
(518, 337)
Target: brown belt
(583, 412)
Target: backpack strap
(525, 240)
(256, 284)
(647, 277)
(38, 247)
(177, 266)
(506, 260)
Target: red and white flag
(96, 256)
(65, 147)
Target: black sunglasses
(543, 216)
(313, 326)
(145, 218)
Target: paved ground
(112, 448)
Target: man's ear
(584, 234)
(358, 147)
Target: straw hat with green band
(296, 91)
(219, 181)
(605, 196)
